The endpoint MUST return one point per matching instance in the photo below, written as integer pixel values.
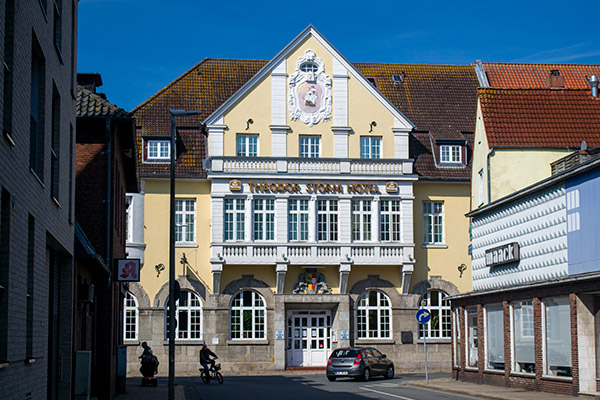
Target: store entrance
(308, 338)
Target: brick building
(37, 113)
(106, 168)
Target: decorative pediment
(310, 90)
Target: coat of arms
(310, 91)
(311, 282)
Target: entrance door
(308, 338)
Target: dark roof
(515, 75)
(439, 99)
(540, 117)
(90, 104)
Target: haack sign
(507, 253)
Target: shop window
(130, 317)
(472, 340)
(494, 336)
(557, 336)
(374, 312)
(248, 315)
(440, 325)
(188, 314)
(522, 333)
(457, 341)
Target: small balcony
(313, 253)
(312, 166)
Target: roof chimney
(89, 81)
(555, 81)
(594, 85)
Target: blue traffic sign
(423, 316)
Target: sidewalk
(475, 390)
(135, 391)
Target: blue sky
(140, 46)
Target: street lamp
(174, 113)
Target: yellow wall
(256, 104)
(389, 273)
(444, 262)
(156, 235)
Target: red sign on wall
(128, 270)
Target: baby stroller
(148, 369)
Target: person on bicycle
(205, 359)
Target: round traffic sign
(423, 316)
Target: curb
(445, 389)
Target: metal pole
(172, 268)
(425, 350)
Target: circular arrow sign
(423, 316)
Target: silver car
(360, 363)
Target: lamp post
(172, 322)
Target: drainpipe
(489, 184)
(108, 195)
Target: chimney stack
(555, 81)
(594, 85)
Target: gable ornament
(310, 91)
(311, 282)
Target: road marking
(386, 394)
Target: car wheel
(331, 378)
(366, 374)
(389, 374)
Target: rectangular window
(450, 154)
(185, 221)
(158, 150)
(523, 345)
(55, 145)
(433, 222)
(30, 278)
(327, 220)
(9, 29)
(57, 33)
(264, 219)
(390, 220)
(298, 220)
(558, 336)
(36, 111)
(370, 147)
(494, 336)
(247, 145)
(472, 341)
(4, 266)
(361, 220)
(310, 146)
(234, 219)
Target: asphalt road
(308, 387)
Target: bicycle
(213, 374)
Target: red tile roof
(511, 75)
(540, 117)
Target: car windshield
(342, 353)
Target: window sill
(180, 342)
(131, 342)
(493, 371)
(435, 341)
(186, 245)
(4, 365)
(156, 161)
(29, 361)
(375, 341)
(472, 369)
(523, 374)
(434, 246)
(557, 378)
(59, 53)
(37, 178)
(245, 342)
(56, 202)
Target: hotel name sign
(504, 254)
(313, 187)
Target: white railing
(309, 166)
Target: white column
(340, 141)
(279, 94)
(216, 135)
(279, 141)
(281, 219)
(340, 94)
(345, 219)
(406, 219)
(248, 219)
(217, 211)
(401, 143)
(375, 219)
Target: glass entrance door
(308, 338)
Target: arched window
(440, 324)
(130, 317)
(309, 67)
(188, 313)
(248, 311)
(374, 312)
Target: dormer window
(309, 67)
(158, 150)
(450, 154)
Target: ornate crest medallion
(310, 91)
(312, 282)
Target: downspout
(108, 197)
(489, 184)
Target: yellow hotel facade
(311, 212)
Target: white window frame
(309, 146)
(383, 313)
(444, 312)
(476, 337)
(545, 338)
(246, 145)
(163, 150)
(263, 219)
(456, 337)
(487, 336)
(432, 219)
(327, 220)
(237, 213)
(193, 330)
(362, 220)
(258, 314)
(298, 220)
(309, 67)
(370, 147)
(185, 221)
(518, 325)
(130, 317)
(390, 220)
(450, 153)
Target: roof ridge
(532, 64)
(539, 89)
